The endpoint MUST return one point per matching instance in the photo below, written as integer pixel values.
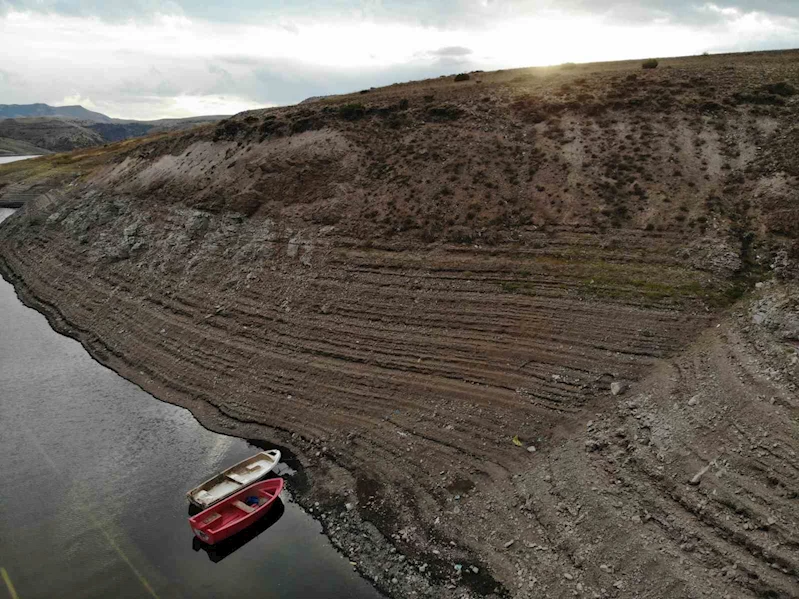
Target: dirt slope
(400, 282)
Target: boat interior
(230, 511)
(244, 472)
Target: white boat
(234, 479)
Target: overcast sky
(162, 58)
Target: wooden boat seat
(236, 478)
(243, 506)
(211, 517)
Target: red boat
(237, 512)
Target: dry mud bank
(398, 284)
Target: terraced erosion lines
(349, 331)
(396, 284)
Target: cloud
(442, 14)
(672, 11)
(452, 51)
(110, 10)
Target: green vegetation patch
(634, 283)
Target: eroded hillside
(400, 282)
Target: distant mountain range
(16, 111)
(44, 129)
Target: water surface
(7, 159)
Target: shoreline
(410, 575)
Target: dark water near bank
(93, 475)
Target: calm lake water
(7, 159)
(94, 474)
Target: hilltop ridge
(13, 111)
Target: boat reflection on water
(216, 553)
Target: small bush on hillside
(396, 121)
(759, 98)
(460, 234)
(462, 77)
(782, 88)
(229, 129)
(532, 110)
(650, 64)
(444, 113)
(352, 112)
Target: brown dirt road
(396, 284)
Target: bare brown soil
(400, 283)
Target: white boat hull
(234, 479)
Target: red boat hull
(234, 513)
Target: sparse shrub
(782, 88)
(709, 106)
(332, 217)
(396, 121)
(229, 129)
(650, 64)
(444, 113)
(352, 112)
(271, 126)
(759, 98)
(462, 77)
(407, 223)
(306, 124)
(533, 110)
